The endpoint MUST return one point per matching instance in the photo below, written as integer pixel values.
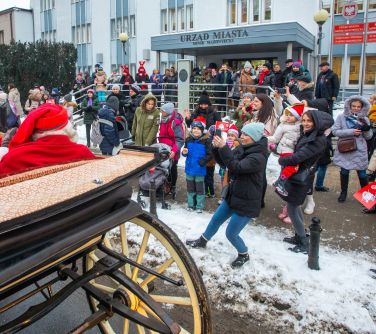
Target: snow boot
(344, 186)
(197, 243)
(291, 240)
(240, 260)
(302, 246)
(279, 186)
(283, 214)
(173, 192)
(310, 206)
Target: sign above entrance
(214, 37)
(350, 10)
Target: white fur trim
(3, 151)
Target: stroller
(159, 175)
(124, 133)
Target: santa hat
(296, 110)
(47, 117)
(233, 130)
(199, 122)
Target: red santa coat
(46, 151)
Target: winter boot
(291, 240)
(310, 206)
(198, 243)
(302, 246)
(283, 214)
(279, 186)
(240, 260)
(173, 192)
(344, 186)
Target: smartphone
(218, 132)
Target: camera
(281, 90)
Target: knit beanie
(296, 64)
(268, 65)
(168, 108)
(254, 130)
(248, 95)
(135, 88)
(68, 97)
(204, 99)
(113, 103)
(247, 64)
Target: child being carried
(286, 136)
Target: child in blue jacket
(198, 151)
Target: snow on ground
(277, 288)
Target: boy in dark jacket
(108, 127)
(197, 149)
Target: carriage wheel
(151, 243)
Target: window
(256, 11)
(124, 25)
(232, 12)
(74, 35)
(189, 17)
(83, 34)
(114, 34)
(164, 24)
(133, 26)
(172, 19)
(267, 10)
(338, 5)
(78, 35)
(354, 70)
(372, 4)
(244, 11)
(2, 37)
(370, 70)
(88, 33)
(181, 19)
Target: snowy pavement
(277, 288)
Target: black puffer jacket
(210, 114)
(308, 150)
(246, 166)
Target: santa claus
(45, 138)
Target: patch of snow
(276, 286)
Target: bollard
(153, 198)
(314, 244)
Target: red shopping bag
(367, 195)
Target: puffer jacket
(145, 123)
(358, 159)
(308, 150)
(246, 166)
(199, 154)
(110, 133)
(172, 133)
(286, 136)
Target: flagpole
(331, 33)
(363, 57)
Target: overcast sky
(4, 4)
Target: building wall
(23, 26)
(63, 19)
(5, 25)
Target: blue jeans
(361, 173)
(321, 172)
(234, 227)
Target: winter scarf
(262, 77)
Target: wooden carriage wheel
(151, 243)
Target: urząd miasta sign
(214, 37)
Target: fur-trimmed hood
(147, 98)
(363, 112)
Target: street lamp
(320, 18)
(123, 37)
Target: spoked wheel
(149, 242)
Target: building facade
(16, 24)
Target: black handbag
(301, 176)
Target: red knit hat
(296, 110)
(47, 117)
(199, 122)
(234, 130)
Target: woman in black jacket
(242, 203)
(308, 150)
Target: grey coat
(356, 160)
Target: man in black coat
(287, 70)
(327, 85)
(279, 81)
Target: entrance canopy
(244, 39)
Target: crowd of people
(295, 122)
